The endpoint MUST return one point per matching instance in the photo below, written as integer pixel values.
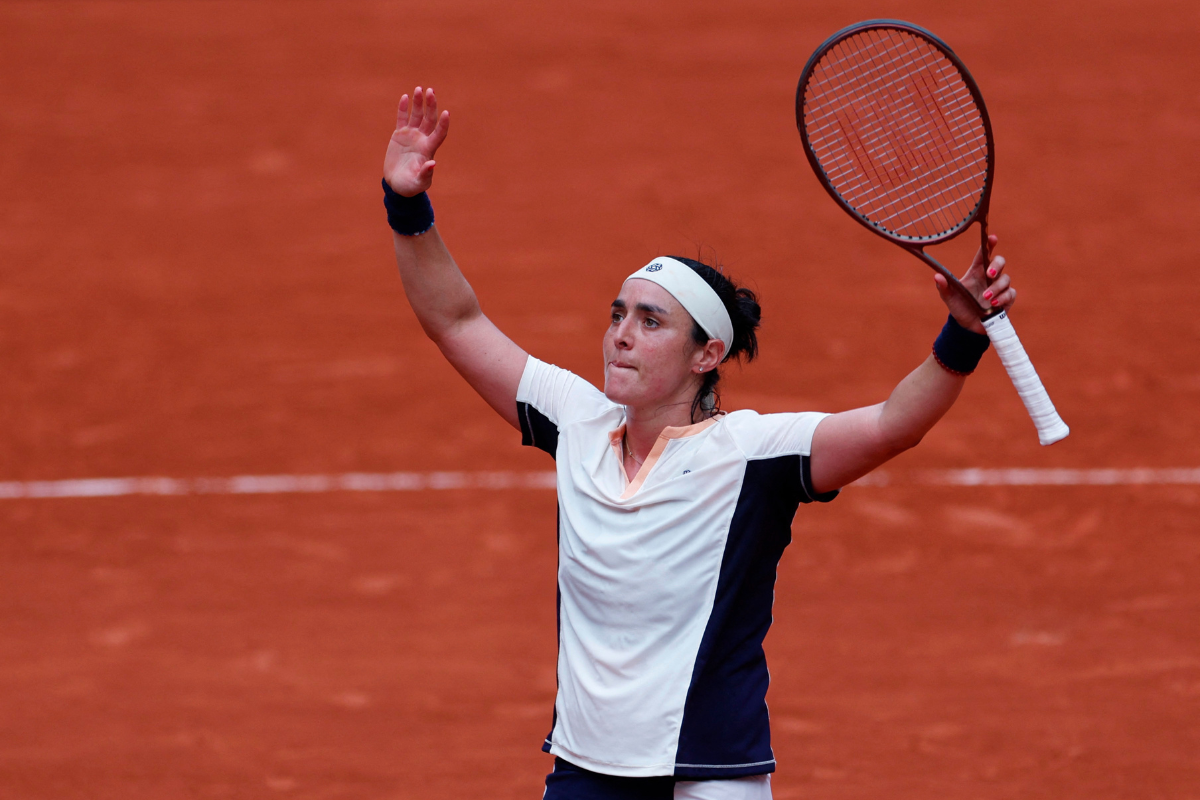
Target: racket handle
(1050, 426)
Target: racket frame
(913, 244)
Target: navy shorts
(569, 782)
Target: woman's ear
(710, 356)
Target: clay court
(197, 281)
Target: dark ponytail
(745, 314)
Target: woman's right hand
(408, 165)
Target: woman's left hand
(408, 164)
(986, 281)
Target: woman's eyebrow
(645, 308)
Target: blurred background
(196, 281)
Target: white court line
(1139, 476)
(278, 484)
(424, 481)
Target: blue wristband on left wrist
(957, 349)
(407, 216)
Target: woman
(672, 515)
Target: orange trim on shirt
(615, 438)
(668, 433)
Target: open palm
(408, 165)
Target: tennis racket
(896, 131)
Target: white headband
(693, 293)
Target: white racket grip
(1050, 426)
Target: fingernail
(987, 295)
(996, 302)
(991, 273)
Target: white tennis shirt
(665, 581)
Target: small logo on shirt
(655, 267)
(686, 471)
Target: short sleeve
(770, 435)
(781, 436)
(550, 398)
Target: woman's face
(650, 357)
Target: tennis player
(672, 515)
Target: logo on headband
(655, 267)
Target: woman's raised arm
(445, 304)
(848, 445)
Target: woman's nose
(622, 338)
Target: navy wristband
(957, 349)
(408, 216)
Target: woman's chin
(620, 393)
(614, 395)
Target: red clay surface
(196, 279)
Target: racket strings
(914, 109)
(882, 82)
(897, 132)
(925, 113)
(918, 112)
(918, 106)
(874, 171)
(872, 168)
(911, 114)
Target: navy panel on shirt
(536, 429)
(558, 634)
(726, 729)
(811, 494)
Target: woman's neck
(644, 426)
